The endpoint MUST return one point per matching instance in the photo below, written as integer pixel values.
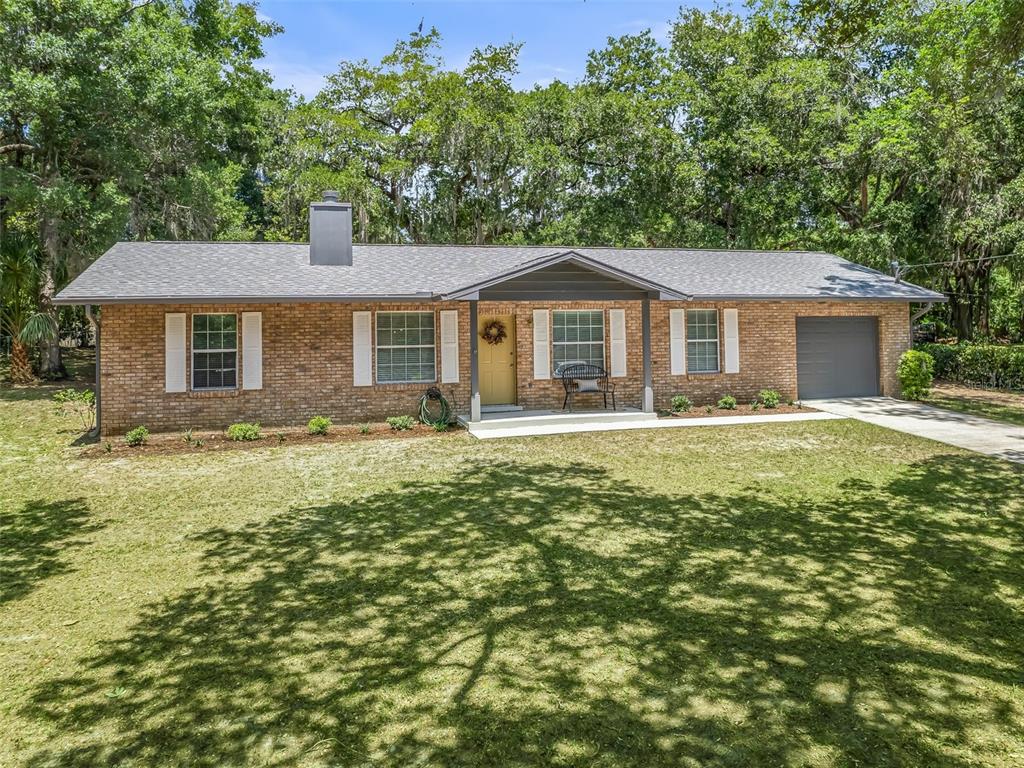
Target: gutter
(95, 322)
(921, 313)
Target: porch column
(645, 324)
(474, 365)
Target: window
(214, 351)
(702, 340)
(578, 336)
(405, 347)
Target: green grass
(808, 594)
(975, 405)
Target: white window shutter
(677, 341)
(449, 346)
(732, 341)
(617, 321)
(252, 350)
(174, 352)
(362, 350)
(541, 345)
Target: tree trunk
(21, 368)
(52, 366)
(961, 308)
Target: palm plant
(20, 275)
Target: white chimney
(330, 231)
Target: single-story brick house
(206, 334)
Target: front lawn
(807, 594)
(989, 403)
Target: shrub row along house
(205, 334)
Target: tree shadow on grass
(542, 614)
(32, 540)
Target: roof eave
(929, 297)
(241, 299)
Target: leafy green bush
(709, 409)
(915, 373)
(756, 406)
(770, 398)
(243, 431)
(944, 356)
(439, 426)
(400, 423)
(319, 425)
(365, 429)
(136, 436)
(727, 403)
(981, 364)
(77, 402)
(681, 404)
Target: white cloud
(304, 79)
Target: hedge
(986, 365)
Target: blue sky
(556, 34)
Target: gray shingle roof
(187, 271)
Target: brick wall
(307, 361)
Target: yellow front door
(497, 362)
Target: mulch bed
(166, 443)
(742, 409)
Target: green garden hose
(434, 409)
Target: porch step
(500, 408)
(553, 422)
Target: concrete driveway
(971, 432)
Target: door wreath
(494, 332)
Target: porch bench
(585, 378)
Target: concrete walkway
(974, 433)
(530, 424)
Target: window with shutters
(577, 335)
(214, 351)
(405, 347)
(702, 340)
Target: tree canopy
(884, 132)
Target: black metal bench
(585, 378)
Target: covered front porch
(527, 326)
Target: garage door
(836, 356)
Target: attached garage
(837, 357)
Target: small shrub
(199, 442)
(681, 404)
(280, 438)
(789, 402)
(319, 425)
(709, 409)
(400, 423)
(439, 426)
(187, 436)
(136, 436)
(915, 372)
(108, 447)
(727, 403)
(243, 431)
(756, 406)
(770, 398)
(365, 429)
(77, 402)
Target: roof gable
(568, 275)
